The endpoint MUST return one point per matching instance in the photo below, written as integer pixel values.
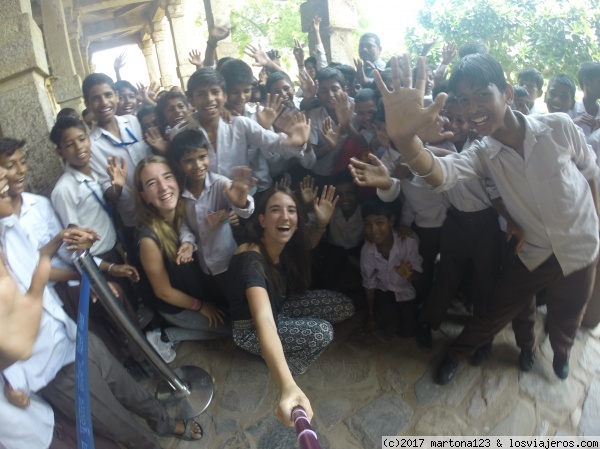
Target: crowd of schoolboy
(415, 255)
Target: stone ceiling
(108, 23)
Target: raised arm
(290, 395)
(215, 35)
(407, 119)
(261, 59)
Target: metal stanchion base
(182, 405)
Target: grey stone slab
(429, 393)
(440, 421)
(330, 410)
(494, 381)
(395, 380)
(520, 421)
(555, 398)
(239, 440)
(590, 417)
(246, 384)
(385, 415)
(590, 357)
(348, 374)
(224, 425)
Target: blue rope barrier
(83, 415)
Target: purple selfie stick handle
(307, 438)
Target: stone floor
(364, 387)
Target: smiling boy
(208, 198)
(230, 143)
(545, 174)
(117, 147)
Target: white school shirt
(39, 220)
(104, 146)
(54, 346)
(258, 159)
(216, 245)
(235, 139)
(346, 233)
(421, 205)
(31, 427)
(545, 192)
(470, 195)
(378, 273)
(324, 165)
(75, 204)
(578, 110)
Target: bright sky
(389, 25)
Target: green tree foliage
(275, 22)
(553, 36)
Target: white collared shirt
(545, 192)
(39, 220)
(378, 273)
(421, 205)
(74, 202)
(579, 110)
(346, 233)
(103, 147)
(324, 165)
(216, 244)
(54, 346)
(258, 159)
(30, 427)
(235, 139)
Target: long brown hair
(295, 257)
(166, 233)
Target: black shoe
(446, 371)
(482, 354)
(561, 367)
(424, 340)
(526, 359)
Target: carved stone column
(158, 36)
(147, 48)
(26, 107)
(65, 82)
(340, 19)
(175, 10)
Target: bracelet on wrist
(424, 175)
(109, 267)
(195, 307)
(210, 44)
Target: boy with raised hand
(546, 176)
(117, 147)
(586, 112)
(239, 80)
(230, 143)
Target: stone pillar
(84, 48)
(26, 108)
(175, 10)
(218, 13)
(147, 48)
(80, 66)
(66, 83)
(158, 36)
(340, 19)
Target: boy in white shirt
(546, 176)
